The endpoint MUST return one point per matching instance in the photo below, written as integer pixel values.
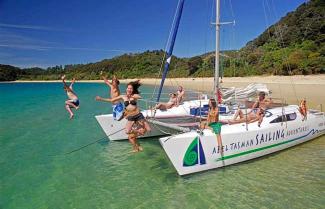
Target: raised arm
(107, 81)
(72, 82)
(63, 81)
(136, 96)
(115, 99)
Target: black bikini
(135, 117)
(132, 102)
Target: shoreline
(290, 89)
(295, 79)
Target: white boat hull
(193, 152)
(115, 129)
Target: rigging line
(159, 73)
(205, 40)
(231, 9)
(166, 45)
(286, 55)
(267, 9)
(269, 33)
(157, 127)
(233, 25)
(87, 145)
(266, 20)
(206, 30)
(211, 37)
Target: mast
(216, 68)
(171, 43)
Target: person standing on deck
(73, 101)
(117, 106)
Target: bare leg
(142, 127)
(241, 120)
(147, 126)
(260, 120)
(133, 140)
(239, 113)
(67, 107)
(220, 147)
(128, 127)
(161, 106)
(219, 143)
(71, 104)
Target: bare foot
(140, 148)
(77, 107)
(71, 116)
(134, 151)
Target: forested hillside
(294, 45)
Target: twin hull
(194, 152)
(115, 129)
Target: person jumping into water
(73, 101)
(117, 106)
(136, 124)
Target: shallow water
(36, 172)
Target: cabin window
(284, 118)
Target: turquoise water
(35, 134)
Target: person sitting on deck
(303, 109)
(171, 103)
(73, 101)
(180, 95)
(256, 114)
(212, 121)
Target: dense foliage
(294, 45)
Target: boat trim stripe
(266, 147)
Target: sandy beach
(289, 88)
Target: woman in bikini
(303, 109)
(257, 112)
(136, 124)
(73, 101)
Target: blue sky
(58, 32)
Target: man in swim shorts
(118, 106)
(73, 101)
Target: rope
(282, 43)
(163, 60)
(87, 145)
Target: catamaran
(186, 116)
(191, 149)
